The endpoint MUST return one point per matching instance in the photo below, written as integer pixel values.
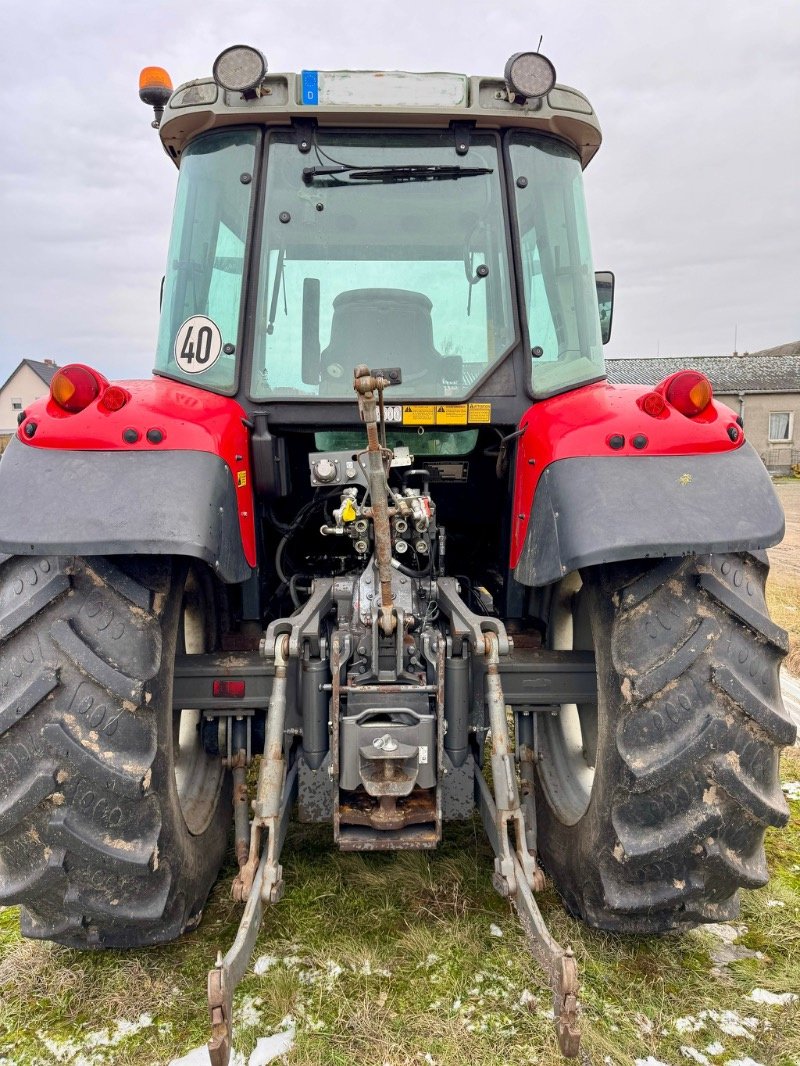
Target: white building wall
(23, 387)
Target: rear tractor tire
(113, 819)
(653, 804)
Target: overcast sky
(693, 198)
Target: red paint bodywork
(574, 424)
(189, 418)
(579, 423)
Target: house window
(780, 426)
(16, 403)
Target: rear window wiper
(395, 172)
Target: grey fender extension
(118, 503)
(603, 509)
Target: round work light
(239, 68)
(529, 74)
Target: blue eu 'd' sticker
(310, 87)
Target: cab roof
(378, 98)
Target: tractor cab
(432, 222)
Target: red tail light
(75, 386)
(688, 391)
(114, 398)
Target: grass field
(411, 959)
(783, 597)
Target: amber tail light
(688, 391)
(75, 386)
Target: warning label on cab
(420, 414)
(480, 412)
(450, 414)
(454, 414)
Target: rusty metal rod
(366, 385)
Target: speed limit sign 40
(197, 344)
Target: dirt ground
(785, 557)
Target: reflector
(653, 404)
(239, 68)
(113, 398)
(231, 689)
(529, 74)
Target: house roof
(45, 371)
(727, 373)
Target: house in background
(28, 382)
(763, 387)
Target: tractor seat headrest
(384, 327)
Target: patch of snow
(689, 1024)
(742, 1062)
(495, 930)
(70, 1050)
(333, 969)
(695, 1055)
(649, 1061)
(264, 963)
(733, 1024)
(715, 1049)
(792, 789)
(775, 903)
(772, 999)
(527, 999)
(729, 1021)
(247, 1013)
(196, 1057)
(270, 1047)
(643, 1024)
(698, 1056)
(63, 1050)
(125, 1029)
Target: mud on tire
(94, 841)
(687, 737)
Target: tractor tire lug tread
(114, 681)
(95, 847)
(33, 694)
(691, 722)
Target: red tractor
(379, 519)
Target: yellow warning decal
(454, 414)
(241, 478)
(419, 414)
(480, 412)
